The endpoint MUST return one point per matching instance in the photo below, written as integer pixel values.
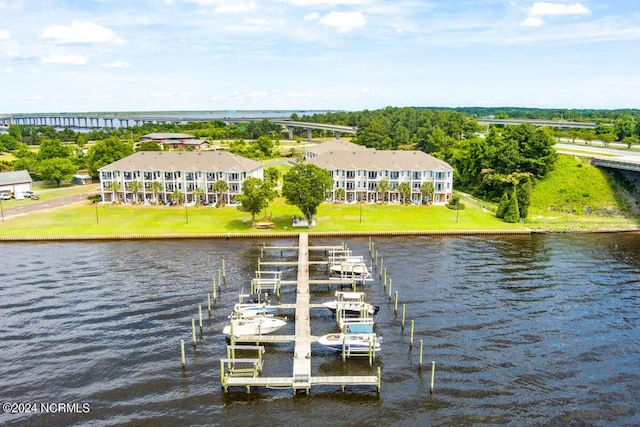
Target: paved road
(28, 206)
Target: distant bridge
(540, 123)
(624, 163)
(113, 121)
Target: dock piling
(411, 335)
(209, 303)
(395, 304)
(193, 331)
(403, 312)
(420, 359)
(433, 373)
(182, 357)
(200, 317)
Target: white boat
(351, 304)
(352, 343)
(257, 325)
(352, 308)
(245, 310)
(350, 269)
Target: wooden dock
(301, 379)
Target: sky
(146, 55)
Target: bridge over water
(113, 121)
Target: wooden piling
(420, 359)
(381, 264)
(395, 304)
(403, 311)
(193, 331)
(200, 317)
(220, 277)
(214, 289)
(390, 287)
(224, 273)
(433, 374)
(411, 335)
(182, 357)
(209, 303)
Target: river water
(524, 330)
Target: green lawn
(83, 220)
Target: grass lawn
(82, 220)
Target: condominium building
(358, 172)
(189, 174)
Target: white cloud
(329, 2)
(80, 32)
(228, 6)
(116, 64)
(553, 9)
(5, 34)
(9, 69)
(312, 16)
(345, 21)
(541, 9)
(65, 59)
(532, 21)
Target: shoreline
(280, 235)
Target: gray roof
(15, 177)
(205, 161)
(371, 159)
(334, 145)
(166, 135)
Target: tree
(405, 191)
(624, 127)
(135, 187)
(155, 188)
(107, 151)
(427, 189)
(630, 140)
(114, 187)
(383, 188)
(8, 142)
(256, 195)
(177, 197)
(149, 146)
(57, 169)
(306, 187)
(220, 187)
(340, 194)
(53, 148)
(512, 214)
(503, 205)
(198, 194)
(271, 174)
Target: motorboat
(350, 268)
(247, 310)
(343, 264)
(351, 343)
(351, 304)
(257, 325)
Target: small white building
(16, 182)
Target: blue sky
(123, 55)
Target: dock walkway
(301, 379)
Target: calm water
(535, 330)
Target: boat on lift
(257, 325)
(351, 304)
(351, 343)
